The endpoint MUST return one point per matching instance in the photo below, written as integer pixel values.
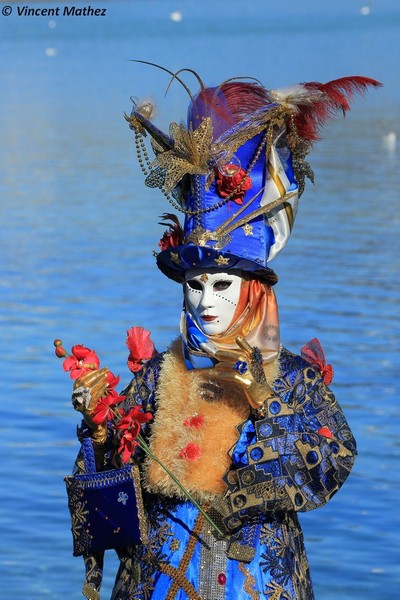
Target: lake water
(78, 228)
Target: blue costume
(279, 465)
(269, 440)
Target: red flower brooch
(233, 183)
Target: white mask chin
(212, 297)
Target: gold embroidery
(249, 582)
(239, 552)
(178, 575)
(139, 505)
(274, 591)
(174, 545)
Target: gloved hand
(88, 389)
(248, 372)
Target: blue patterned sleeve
(141, 390)
(298, 456)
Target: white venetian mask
(212, 297)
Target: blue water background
(78, 228)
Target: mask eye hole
(193, 284)
(221, 285)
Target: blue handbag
(106, 507)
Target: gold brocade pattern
(269, 540)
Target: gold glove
(253, 381)
(88, 389)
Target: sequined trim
(239, 552)
(213, 562)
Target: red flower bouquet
(127, 426)
(82, 360)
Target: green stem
(147, 450)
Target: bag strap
(88, 455)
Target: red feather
(244, 98)
(226, 104)
(337, 96)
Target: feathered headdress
(237, 169)
(314, 103)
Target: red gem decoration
(222, 579)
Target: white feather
(296, 95)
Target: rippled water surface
(78, 228)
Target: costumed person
(249, 430)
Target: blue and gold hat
(236, 170)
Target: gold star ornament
(221, 261)
(248, 229)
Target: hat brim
(175, 261)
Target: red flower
(190, 452)
(82, 361)
(196, 421)
(131, 423)
(134, 419)
(313, 353)
(112, 380)
(234, 186)
(127, 446)
(140, 346)
(103, 411)
(174, 235)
